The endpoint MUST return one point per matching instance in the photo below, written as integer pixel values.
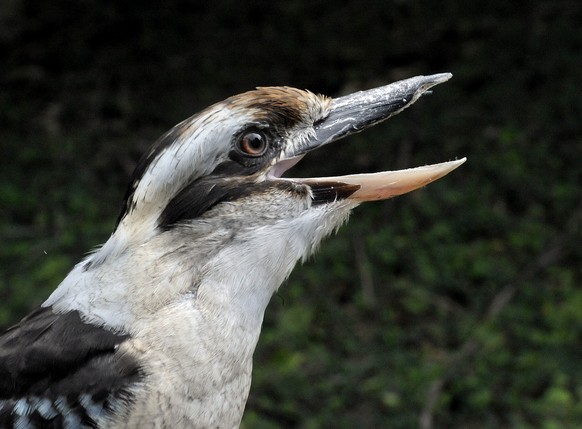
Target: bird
(157, 327)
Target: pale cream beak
(388, 184)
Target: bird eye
(253, 143)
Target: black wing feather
(58, 371)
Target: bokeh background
(457, 306)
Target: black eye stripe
(204, 194)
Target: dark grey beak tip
(437, 78)
(403, 92)
(355, 112)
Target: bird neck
(219, 271)
(222, 269)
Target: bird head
(228, 161)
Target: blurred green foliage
(457, 306)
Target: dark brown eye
(253, 144)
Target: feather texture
(57, 371)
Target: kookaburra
(157, 328)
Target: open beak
(354, 113)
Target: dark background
(457, 306)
